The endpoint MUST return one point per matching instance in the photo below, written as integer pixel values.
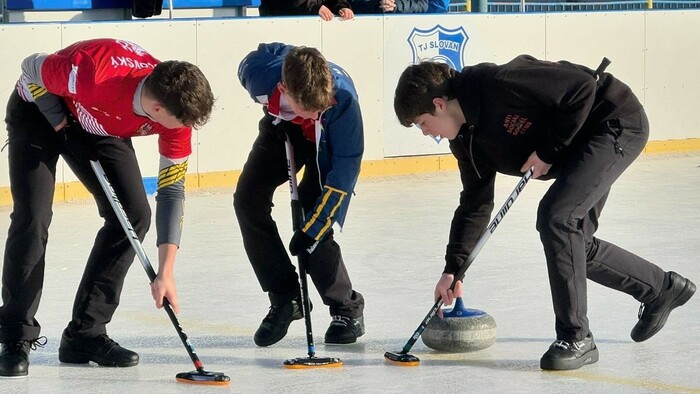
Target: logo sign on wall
(439, 44)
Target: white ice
(393, 245)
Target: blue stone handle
(460, 311)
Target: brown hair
(308, 79)
(183, 90)
(418, 85)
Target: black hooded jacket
(512, 110)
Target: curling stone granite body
(461, 330)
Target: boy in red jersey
(85, 102)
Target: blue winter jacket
(341, 143)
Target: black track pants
(34, 148)
(264, 171)
(568, 217)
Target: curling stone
(460, 330)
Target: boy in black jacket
(568, 122)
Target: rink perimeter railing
(549, 6)
(238, 6)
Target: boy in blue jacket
(314, 102)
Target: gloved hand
(301, 242)
(78, 142)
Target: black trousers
(34, 148)
(568, 216)
(264, 171)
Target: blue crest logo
(439, 44)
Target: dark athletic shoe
(653, 316)
(563, 355)
(344, 330)
(275, 325)
(14, 357)
(101, 350)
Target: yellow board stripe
(320, 207)
(171, 175)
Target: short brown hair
(308, 79)
(418, 85)
(183, 90)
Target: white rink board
(673, 73)
(585, 38)
(43, 38)
(226, 140)
(484, 43)
(357, 46)
(653, 52)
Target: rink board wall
(654, 52)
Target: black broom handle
(297, 221)
(145, 262)
(477, 248)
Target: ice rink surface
(393, 244)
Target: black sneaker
(563, 355)
(101, 350)
(344, 330)
(275, 325)
(14, 357)
(653, 316)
